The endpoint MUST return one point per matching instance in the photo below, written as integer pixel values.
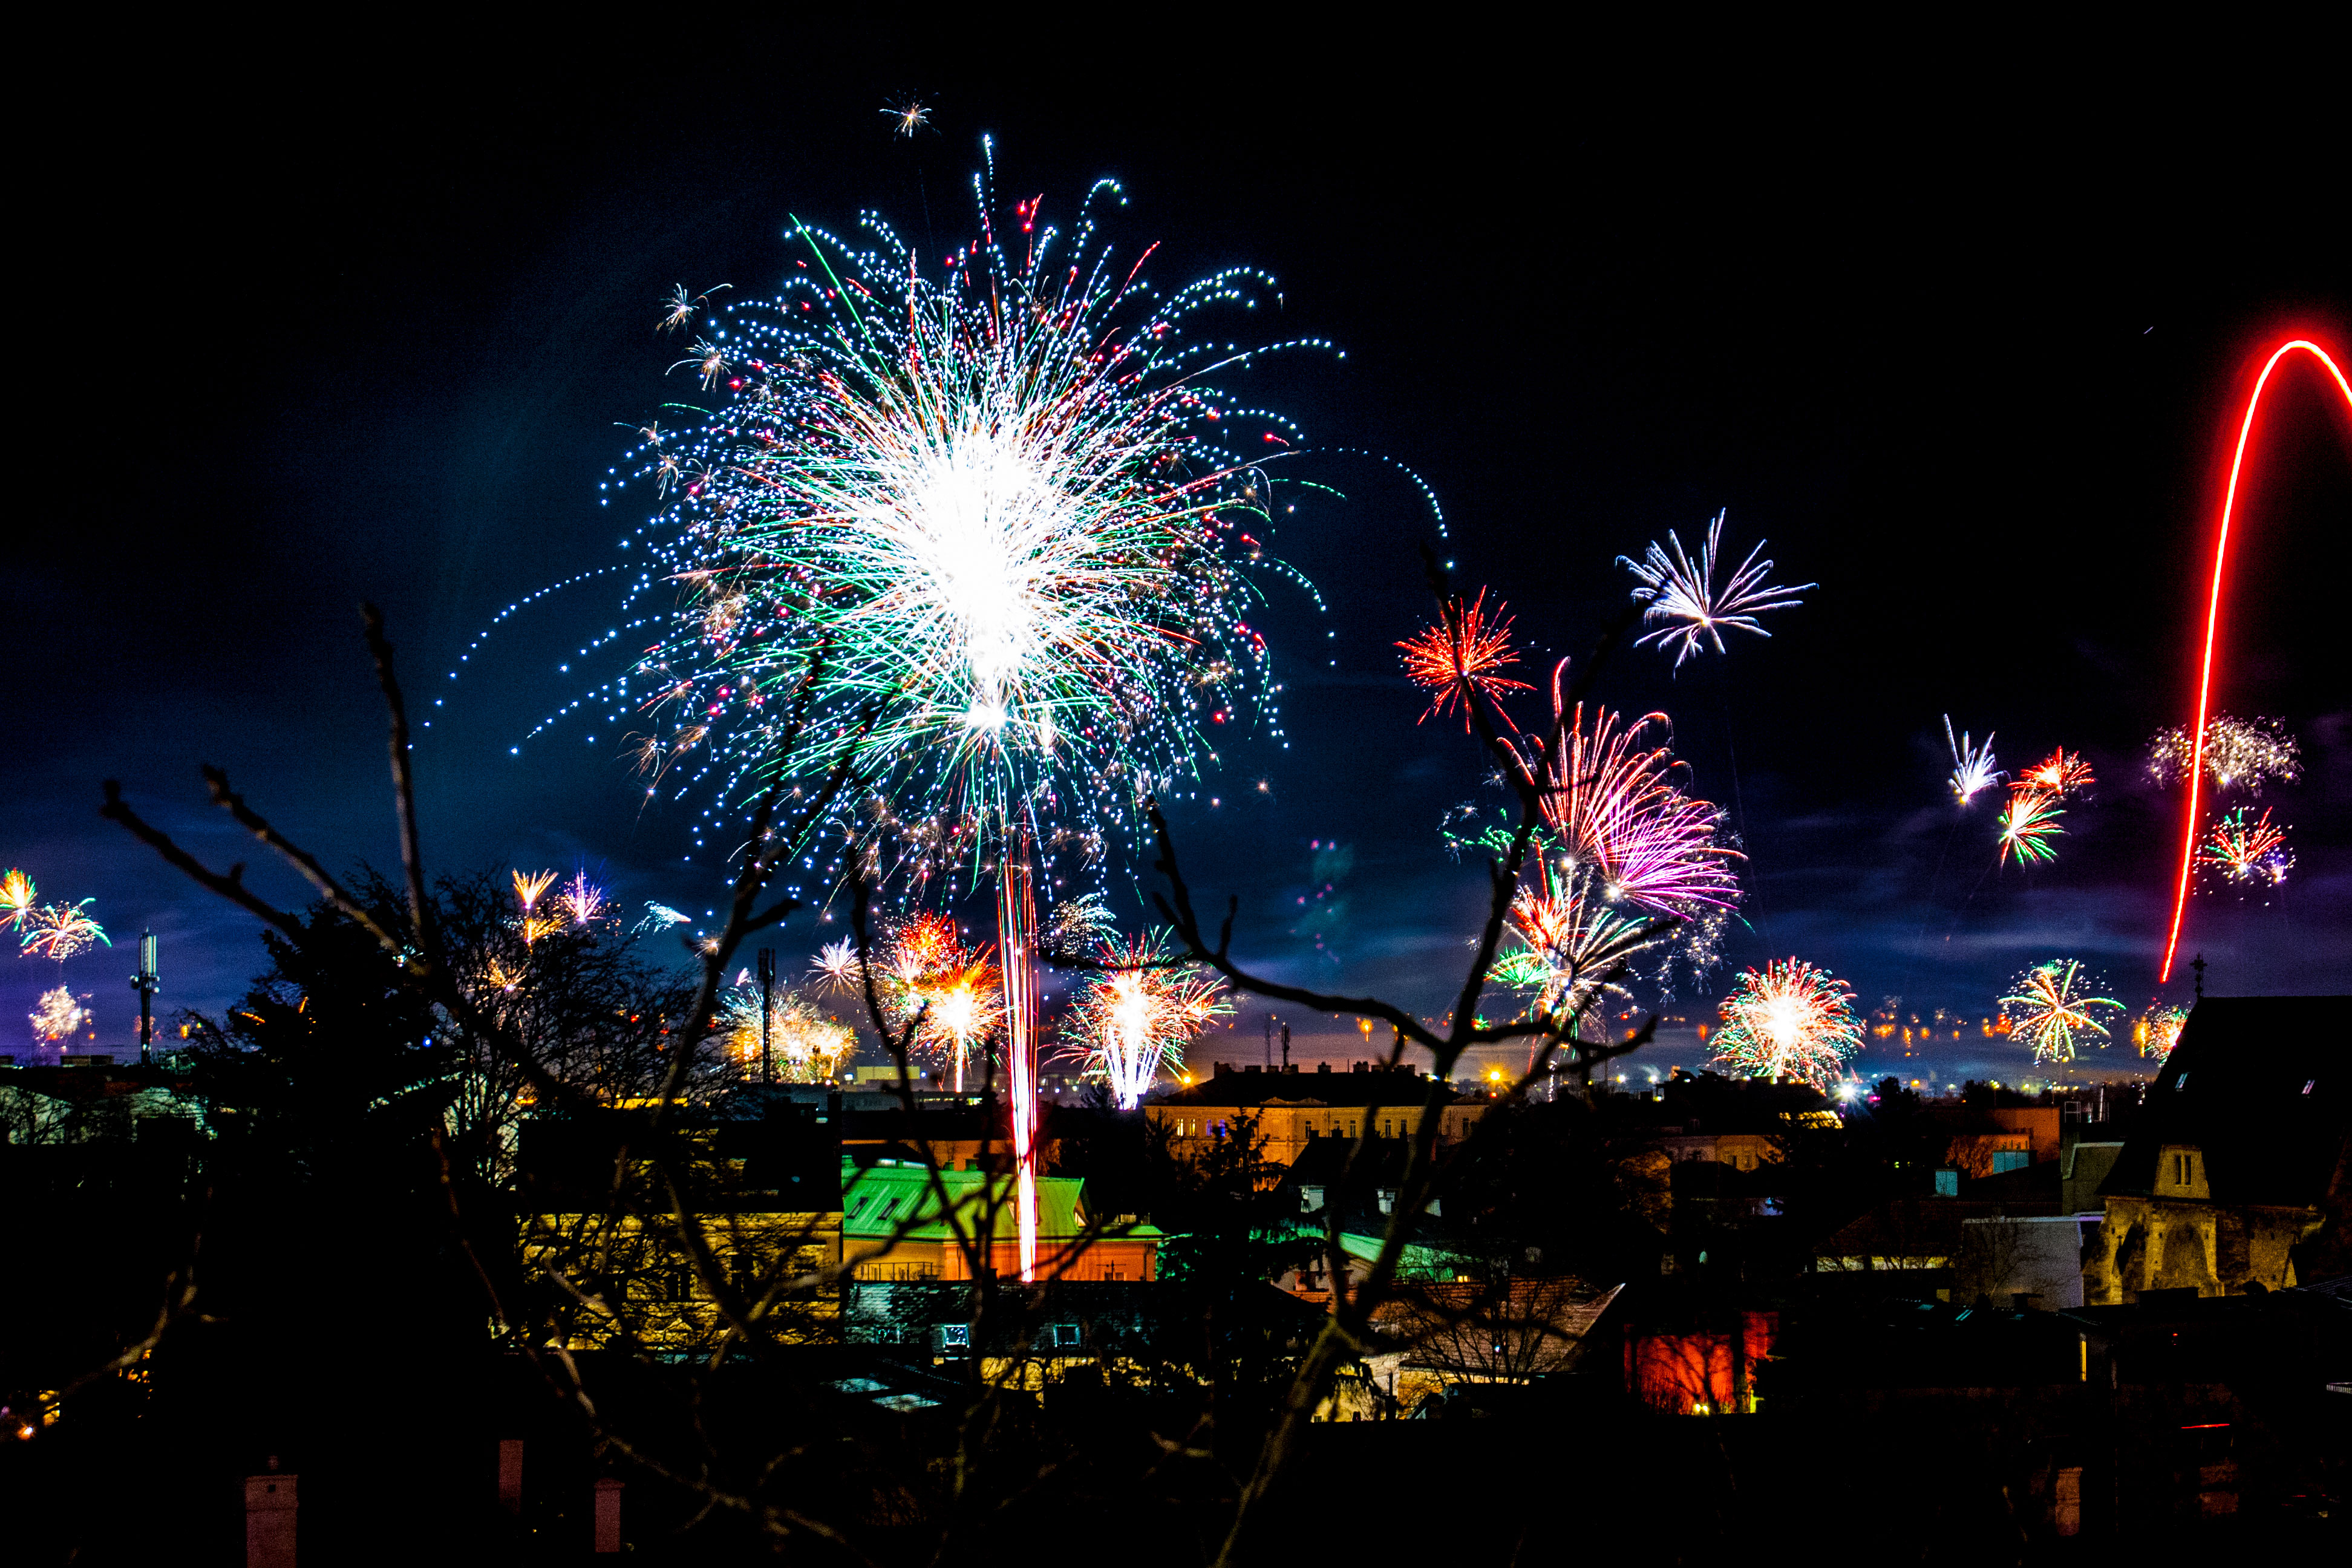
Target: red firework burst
(1461, 655)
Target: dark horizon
(1976, 377)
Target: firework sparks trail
(908, 118)
(2157, 1031)
(1789, 1019)
(2238, 753)
(986, 529)
(529, 888)
(2213, 620)
(1682, 592)
(1973, 770)
(2062, 773)
(659, 917)
(2247, 851)
(1138, 1012)
(582, 900)
(2027, 823)
(1461, 659)
(2050, 1008)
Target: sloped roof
(2262, 1085)
(880, 1202)
(1908, 1227)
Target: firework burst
(59, 932)
(2157, 1031)
(2050, 1008)
(529, 888)
(1973, 769)
(991, 522)
(1564, 944)
(1789, 1019)
(809, 1046)
(1461, 659)
(582, 901)
(2238, 753)
(19, 900)
(1613, 798)
(2027, 823)
(1626, 874)
(924, 974)
(2062, 774)
(1138, 1010)
(2246, 851)
(1682, 592)
(59, 1015)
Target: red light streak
(2212, 619)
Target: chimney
(1324, 1067)
(269, 1508)
(510, 1474)
(607, 1502)
(1220, 1069)
(1361, 1067)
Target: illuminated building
(766, 1197)
(904, 1222)
(1291, 1110)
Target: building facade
(1291, 1111)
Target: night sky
(1970, 357)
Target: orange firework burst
(1462, 656)
(528, 889)
(2065, 773)
(2157, 1030)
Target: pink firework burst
(1612, 798)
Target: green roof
(1416, 1262)
(882, 1201)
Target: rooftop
(2260, 1085)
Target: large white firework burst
(989, 520)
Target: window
(956, 1334)
(2181, 1170)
